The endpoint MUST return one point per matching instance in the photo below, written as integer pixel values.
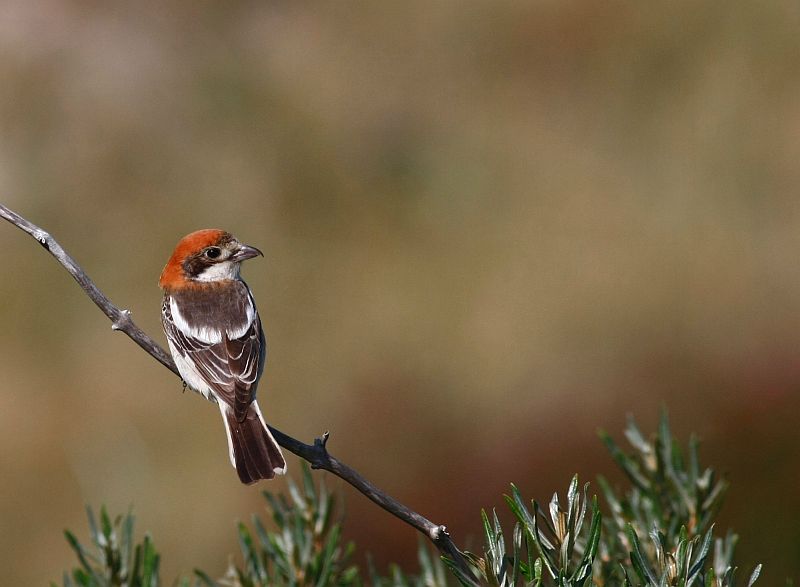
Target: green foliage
(557, 548)
(672, 503)
(433, 572)
(306, 549)
(114, 559)
(658, 533)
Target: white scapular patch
(250, 314)
(203, 334)
(219, 271)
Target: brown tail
(253, 450)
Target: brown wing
(231, 368)
(245, 362)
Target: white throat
(220, 272)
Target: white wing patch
(203, 334)
(250, 313)
(211, 335)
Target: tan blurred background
(490, 228)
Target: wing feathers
(228, 357)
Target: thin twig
(317, 454)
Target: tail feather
(253, 450)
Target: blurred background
(490, 229)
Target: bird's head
(205, 256)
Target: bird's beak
(244, 252)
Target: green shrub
(659, 532)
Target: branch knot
(43, 238)
(439, 532)
(122, 321)
(321, 446)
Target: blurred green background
(490, 228)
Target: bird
(216, 340)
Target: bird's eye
(213, 252)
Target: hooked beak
(244, 252)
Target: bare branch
(317, 454)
